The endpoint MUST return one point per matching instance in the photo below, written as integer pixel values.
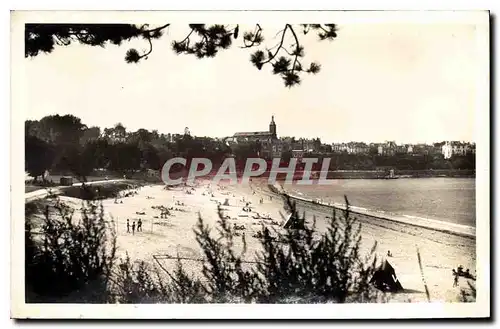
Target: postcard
(250, 164)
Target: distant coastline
(380, 174)
(383, 174)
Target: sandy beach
(440, 253)
(162, 239)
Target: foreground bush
(295, 266)
(68, 259)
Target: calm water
(446, 199)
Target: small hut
(66, 181)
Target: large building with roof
(268, 140)
(258, 135)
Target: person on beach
(133, 227)
(128, 226)
(389, 253)
(455, 278)
(460, 270)
(139, 225)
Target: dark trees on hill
(39, 156)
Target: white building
(457, 148)
(447, 150)
(351, 148)
(387, 148)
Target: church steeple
(272, 127)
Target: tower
(272, 128)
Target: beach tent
(385, 278)
(293, 223)
(288, 221)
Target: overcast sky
(403, 82)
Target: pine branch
(212, 39)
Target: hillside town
(272, 146)
(65, 145)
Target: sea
(447, 200)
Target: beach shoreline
(424, 223)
